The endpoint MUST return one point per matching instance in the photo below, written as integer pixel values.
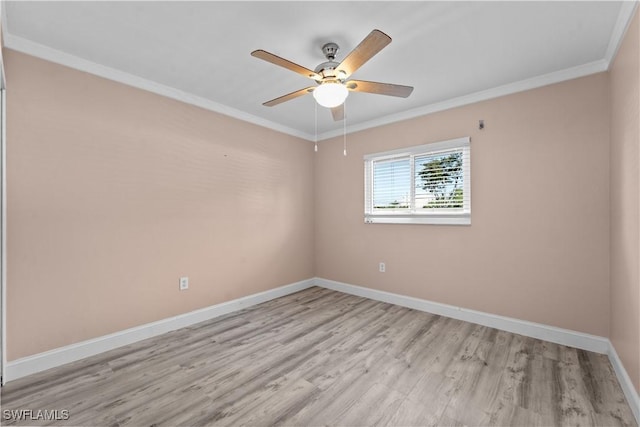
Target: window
(427, 184)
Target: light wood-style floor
(321, 357)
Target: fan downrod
(327, 69)
(330, 49)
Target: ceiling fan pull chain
(315, 147)
(344, 129)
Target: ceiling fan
(332, 78)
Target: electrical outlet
(383, 268)
(184, 283)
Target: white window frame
(413, 216)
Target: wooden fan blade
(338, 113)
(379, 88)
(372, 44)
(275, 59)
(288, 96)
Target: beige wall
(114, 193)
(625, 202)
(538, 246)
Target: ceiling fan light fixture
(330, 94)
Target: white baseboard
(49, 359)
(625, 382)
(535, 330)
(39, 362)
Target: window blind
(392, 183)
(429, 183)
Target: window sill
(418, 219)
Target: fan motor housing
(327, 69)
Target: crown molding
(38, 50)
(508, 89)
(23, 45)
(627, 10)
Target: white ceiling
(451, 52)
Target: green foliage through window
(442, 177)
(424, 184)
